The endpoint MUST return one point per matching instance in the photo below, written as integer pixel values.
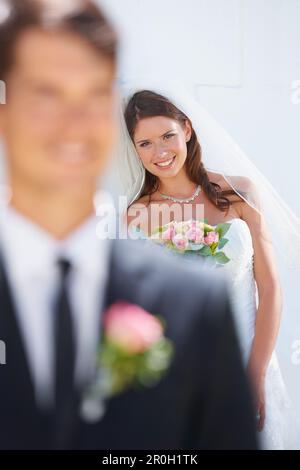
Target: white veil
(220, 154)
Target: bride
(167, 140)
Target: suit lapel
(129, 281)
(125, 282)
(17, 367)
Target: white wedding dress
(280, 429)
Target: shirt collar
(30, 250)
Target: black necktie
(64, 357)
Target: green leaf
(205, 251)
(208, 228)
(195, 247)
(221, 258)
(222, 229)
(222, 243)
(160, 229)
(213, 247)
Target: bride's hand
(258, 385)
(260, 406)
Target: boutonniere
(133, 353)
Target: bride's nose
(162, 152)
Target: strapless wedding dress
(280, 429)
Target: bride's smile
(166, 163)
(161, 144)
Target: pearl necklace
(189, 199)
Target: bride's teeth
(165, 163)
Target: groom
(58, 61)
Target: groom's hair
(81, 17)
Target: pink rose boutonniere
(133, 352)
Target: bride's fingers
(262, 416)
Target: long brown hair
(144, 104)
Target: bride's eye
(144, 144)
(168, 136)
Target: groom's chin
(62, 181)
(74, 174)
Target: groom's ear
(188, 130)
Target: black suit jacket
(203, 402)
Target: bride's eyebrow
(146, 140)
(171, 130)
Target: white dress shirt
(30, 254)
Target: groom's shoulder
(137, 259)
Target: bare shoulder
(240, 182)
(145, 202)
(251, 209)
(139, 205)
(138, 213)
(246, 188)
(244, 184)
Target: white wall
(241, 59)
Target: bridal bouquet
(194, 236)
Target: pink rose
(131, 327)
(195, 234)
(168, 233)
(180, 241)
(211, 237)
